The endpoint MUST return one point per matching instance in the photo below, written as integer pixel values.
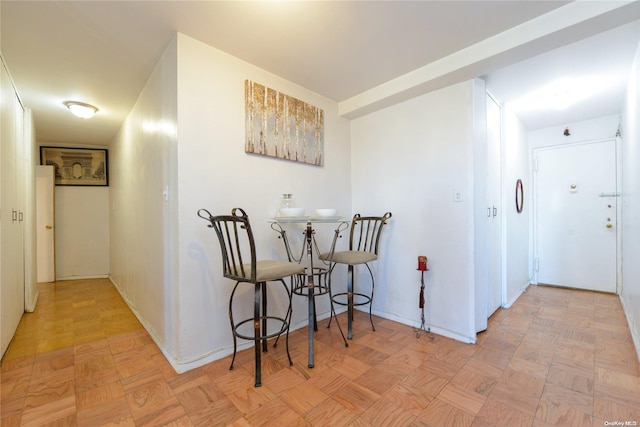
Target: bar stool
(364, 244)
(239, 263)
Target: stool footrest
(367, 298)
(317, 290)
(283, 329)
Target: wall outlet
(457, 195)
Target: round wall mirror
(519, 196)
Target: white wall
(81, 227)
(30, 249)
(517, 247)
(140, 170)
(186, 135)
(408, 159)
(215, 173)
(587, 130)
(630, 129)
(81, 232)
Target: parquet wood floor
(557, 357)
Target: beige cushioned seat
(351, 257)
(269, 270)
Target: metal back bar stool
(239, 263)
(364, 245)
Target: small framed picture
(77, 166)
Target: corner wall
(630, 136)
(517, 247)
(409, 159)
(215, 173)
(138, 214)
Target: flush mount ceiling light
(80, 109)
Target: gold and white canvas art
(278, 125)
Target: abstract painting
(278, 125)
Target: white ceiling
(362, 54)
(601, 62)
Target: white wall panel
(630, 141)
(410, 159)
(81, 232)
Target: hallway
(557, 357)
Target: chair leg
(350, 302)
(233, 327)
(333, 312)
(315, 312)
(264, 316)
(256, 333)
(333, 309)
(289, 316)
(373, 285)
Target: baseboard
(633, 328)
(433, 328)
(100, 276)
(31, 307)
(515, 298)
(182, 366)
(150, 330)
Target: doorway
(45, 231)
(494, 203)
(576, 215)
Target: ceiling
(353, 52)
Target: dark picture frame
(77, 166)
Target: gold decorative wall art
(77, 166)
(278, 125)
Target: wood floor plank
(557, 357)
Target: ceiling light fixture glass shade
(80, 109)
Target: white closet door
(12, 212)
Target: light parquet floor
(557, 357)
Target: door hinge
(535, 164)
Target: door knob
(48, 227)
(609, 225)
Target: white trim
(435, 329)
(633, 328)
(515, 298)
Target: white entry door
(45, 236)
(576, 206)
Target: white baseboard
(182, 366)
(101, 276)
(30, 307)
(515, 298)
(633, 328)
(433, 328)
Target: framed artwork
(281, 126)
(77, 166)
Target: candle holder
(422, 267)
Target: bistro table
(317, 282)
